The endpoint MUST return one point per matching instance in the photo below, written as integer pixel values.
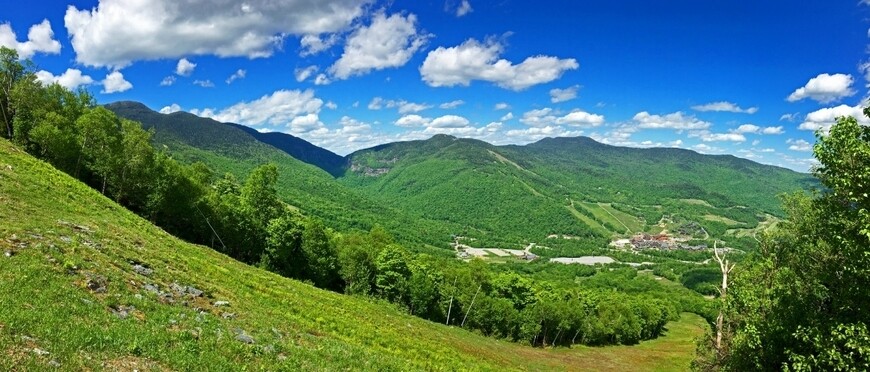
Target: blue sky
(748, 78)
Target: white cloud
(204, 83)
(184, 67)
(472, 60)
(170, 109)
(720, 137)
(303, 74)
(278, 108)
(789, 117)
(118, 32)
(239, 74)
(331, 105)
(167, 81)
(387, 42)
(706, 149)
(403, 106)
(452, 104)
(40, 39)
(314, 44)
(501, 106)
(305, 123)
(115, 83)
(723, 106)
(412, 120)
(449, 121)
(446, 121)
(561, 95)
(464, 8)
(799, 145)
(527, 135)
(747, 128)
(70, 79)
(321, 79)
(546, 117)
(825, 88)
(507, 117)
(773, 130)
(825, 118)
(406, 107)
(676, 120)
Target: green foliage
(801, 302)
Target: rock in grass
(142, 270)
(221, 303)
(40, 352)
(242, 336)
(7, 253)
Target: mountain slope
(300, 149)
(569, 186)
(226, 148)
(87, 285)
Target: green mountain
(300, 149)
(426, 191)
(569, 186)
(88, 285)
(227, 148)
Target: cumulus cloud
(413, 120)
(40, 39)
(501, 106)
(789, 117)
(70, 79)
(676, 121)
(547, 117)
(724, 106)
(115, 83)
(507, 117)
(825, 118)
(167, 81)
(204, 83)
(184, 67)
(719, 137)
(279, 108)
(387, 42)
(314, 44)
(239, 74)
(532, 134)
(752, 128)
(452, 104)
(446, 121)
(331, 105)
(561, 95)
(170, 109)
(321, 79)
(799, 145)
(403, 106)
(303, 74)
(824, 88)
(118, 32)
(463, 8)
(473, 60)
(449, 121)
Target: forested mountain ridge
(500, 194)
(571, 186)
(226, 148)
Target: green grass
(65, 239)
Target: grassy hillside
(571, 186)
(226, 148)
(87, 285)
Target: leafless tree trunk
(725, 268)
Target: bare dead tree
(725, 266)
